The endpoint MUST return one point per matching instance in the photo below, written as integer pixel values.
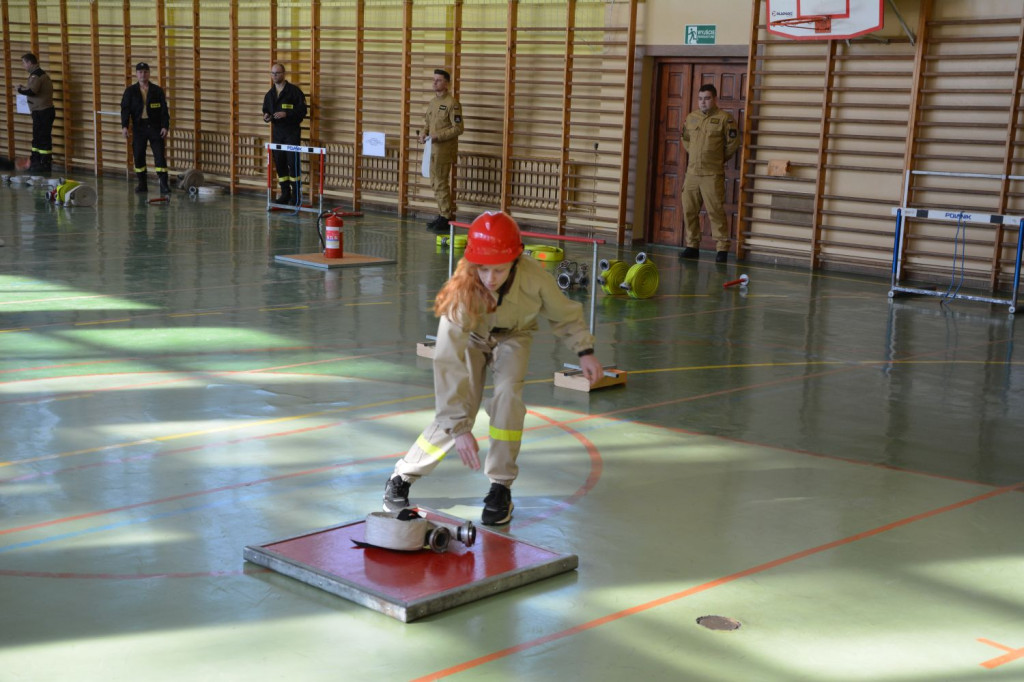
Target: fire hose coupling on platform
(407, 531)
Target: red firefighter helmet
(493, 239)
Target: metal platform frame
(545, 563)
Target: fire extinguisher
(331, 238)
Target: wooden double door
(677, 81)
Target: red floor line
(661, 601)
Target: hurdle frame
(297, 149)
(899, 239)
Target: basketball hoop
(823, 19)
(819, 24)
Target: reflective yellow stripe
(429, 448)
(505, 434)
(140, 170)
(160, 170)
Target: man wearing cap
(144, 105)
(284, 108)
(443, 125)
(39, 92)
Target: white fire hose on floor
(407, 531)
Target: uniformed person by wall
(284, 108)
(144, 108)
(443, 125)
(710, 138)
(39, 92)
(489, 311)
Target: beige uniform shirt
(710, 139)
(443, 119)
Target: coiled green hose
(613, 274)
(642, 278)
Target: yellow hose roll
(613, 274)
(642, 278)
(457, 242)
(543, 252)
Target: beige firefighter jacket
(710, 139)
(532, 293)
(443, 119)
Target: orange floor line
(583, 627)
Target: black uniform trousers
(144, 132)
(287, 163)
(42, 130)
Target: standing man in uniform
(39, 91)
(710, 138)
(284, 108)
(443, 125)
(144, 105)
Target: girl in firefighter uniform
(488, 313)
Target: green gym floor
(839, 474)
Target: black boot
(142, 185)
(46, 162)
(164, 187)
(33, 165)
(285, 197)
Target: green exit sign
(700, 34)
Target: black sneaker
(690, 252)
(497, 506)
(722, 257)
(439, 225)
(396, 494)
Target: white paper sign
(426, 159)
(373, 144)
(22, 104)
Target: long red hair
(464, 299)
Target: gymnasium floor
(839, 474)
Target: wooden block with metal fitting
(572, 377)
(425, 349)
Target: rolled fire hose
(613, 274)
(82, 195)
(190, 178)
(642, 278)
(458, 242)
(543, 252)
(205, 190)
(407, 531)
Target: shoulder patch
(732, 132)
(458, 119)
(443, 107)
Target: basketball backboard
(823, 19)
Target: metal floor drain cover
(718, 623)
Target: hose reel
(642, 278)
(545, 253)
(407, 531)
(613, 274)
